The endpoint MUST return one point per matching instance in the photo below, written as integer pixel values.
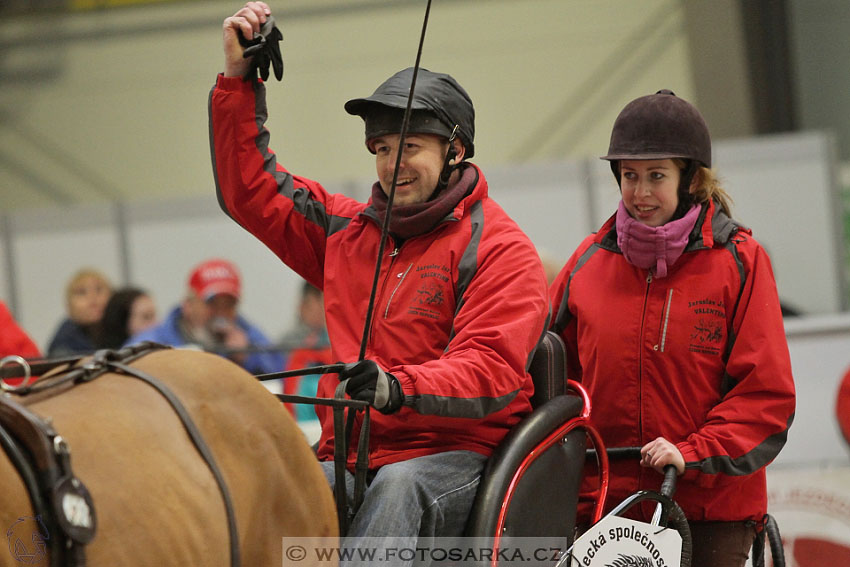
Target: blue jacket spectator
(208, 319)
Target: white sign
(620, 542)
(812, 511)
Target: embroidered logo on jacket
(431, 293)
(707, 335)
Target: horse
(156, 501)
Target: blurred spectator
(310, 346)
(14, 340)
(309, 330)
(551, 266)
(129, 311)
(86, 295)
(208, 318)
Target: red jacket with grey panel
(459, 310)
(698, 357)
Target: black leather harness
(43, 458)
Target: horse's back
(156, 500)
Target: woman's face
(142, 315)
(650, 189)
(87, 299)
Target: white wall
(820, 355)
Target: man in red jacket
(461, 301)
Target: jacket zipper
(392, 255)
(640, 364)
(400, 276)
(666, 320)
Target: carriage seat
(535, 473)
(548, 369)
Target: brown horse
(156, 501)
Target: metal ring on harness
(27, 373)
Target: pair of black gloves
(264, 49)
(366, 381)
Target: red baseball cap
(213, 277)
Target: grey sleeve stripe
(212, 155)
(468, 265)
(313, 210)
(729, 381)
(563, 316)
(474, 408)
(748, 463)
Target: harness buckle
(27, 373)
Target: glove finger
(277, 63)
(263, 63)
(355, 369)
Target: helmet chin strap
(448, 167)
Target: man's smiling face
(419, 171)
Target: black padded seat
(545, 451)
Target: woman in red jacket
(672, 319)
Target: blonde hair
(79, 276)
(708, 187)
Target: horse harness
(60, 501)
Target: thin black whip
(385, 228)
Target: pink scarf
(654, 246)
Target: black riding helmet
(662, 126)
(439, 104)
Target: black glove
(368, 383)
(264, 47)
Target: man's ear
(460, 151)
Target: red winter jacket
(14, 341)
(698, 357)
(458, 310)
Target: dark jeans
(721, 544)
